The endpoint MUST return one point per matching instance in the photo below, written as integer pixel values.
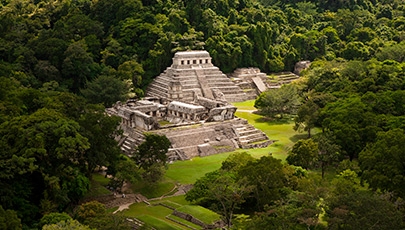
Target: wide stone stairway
(250, 137)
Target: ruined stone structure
(194, 130)
(253, 82)
(250, 80)
(192, 73)
(300, 66)
(188, 103)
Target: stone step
(192, 151)
(222, 84)
(286, 77)
(228, 88)
(190, 86)
(258, 144)
(191, 81)
(156, 90)
(186, 78)
(252, 140)
(160, 83)
(235, 98)
(252, 136)
(156, 93)
(248, 132)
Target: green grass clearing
(187, 172)
(205, 215)
(245, 105)
(185, 222)
(159, 224)
(155, 215)
(139, 209)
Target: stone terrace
(193, 73)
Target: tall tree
(47, 152)
(9, 219)
(267, 177)
(100, 130)
(106, 90)
(78, 66)
(304, 153)
(328, 151)
(307, 117)
(151, 156)
(152, 150)
(281, 101)
(382, 162)
(351, 206)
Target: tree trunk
(323, 169)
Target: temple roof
(192, 54)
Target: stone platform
(192, 73)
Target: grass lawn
(205, 215)
(282, 132)
(185, 222)
(187, 172)
(155, 215)
(158, 223)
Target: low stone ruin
(300, 66)
(253, 82)
(194, 130)
(250, 80)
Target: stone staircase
(200, 80)
(281, 79)
(129, 141)
(250, 137)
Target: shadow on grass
(153, 190)
(298, 137)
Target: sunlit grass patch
(205, 215)
(188, 223)
(188, 171)
(157, 223)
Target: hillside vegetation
(62, 62)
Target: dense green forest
(62, 62)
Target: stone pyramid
(193, 74)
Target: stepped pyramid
(192, 74)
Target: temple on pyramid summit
(189, 103)
(193, 74)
